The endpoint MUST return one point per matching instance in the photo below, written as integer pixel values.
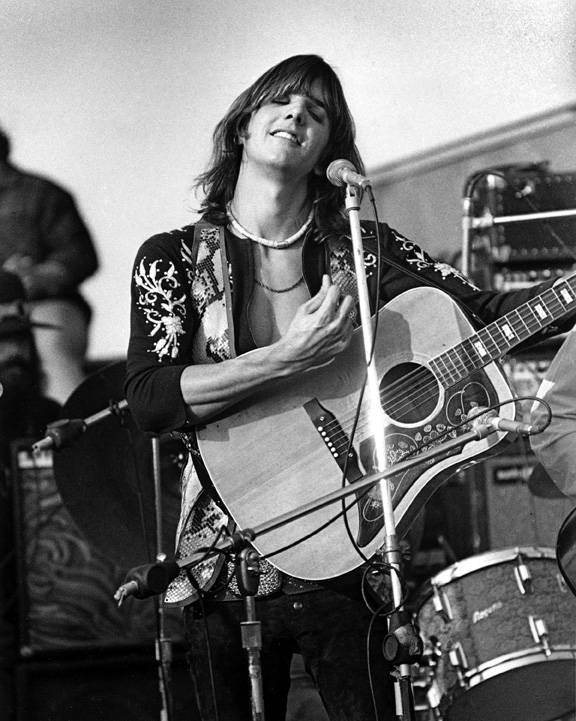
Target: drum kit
(499, 631)
(499, 628)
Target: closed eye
(315, 107)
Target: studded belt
(272, 581)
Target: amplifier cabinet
(116, 685)
(514, 515)
(66, 585)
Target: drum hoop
(487, 559)
(503, 664)
(518, 659)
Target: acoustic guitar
(290, 443)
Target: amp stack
(522, 227)
(523, 231)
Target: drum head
(106, 477)
(566, 550)
(534, 691)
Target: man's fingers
(316, 301)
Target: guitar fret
(440, 371)
(520, 317)
(499, 337)
(567, 295)
(454, 357)
(473, 353)
(487, 335)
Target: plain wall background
(117, 100)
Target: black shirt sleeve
(161, 330)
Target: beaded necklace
(264, 241)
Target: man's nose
(296, 110)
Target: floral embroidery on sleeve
(163, 306)
(416, 256)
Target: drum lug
(562, 585)
(523, 578)
(459, 662)
(540, 633)
(442, 605)
(434, 696)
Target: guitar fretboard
(497, 338)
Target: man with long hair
(250, 297)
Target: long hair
(295, 75)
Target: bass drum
(500, 638)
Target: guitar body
(268, 457)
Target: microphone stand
(395, 650)
(63, 432)
(146, 581)
(163, 644)
(248, 578)
(238, 538)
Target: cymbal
(566, 550)
(106, 476)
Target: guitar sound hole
(409, 393)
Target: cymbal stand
(401, 645)
(248, 578)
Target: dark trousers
(328, 629)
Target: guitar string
(530, 323)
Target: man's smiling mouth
(286, 134)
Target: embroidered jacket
(190, 306)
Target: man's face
(289, 134)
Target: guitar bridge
(369, 503)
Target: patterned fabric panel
(204, 523)
(211, 342)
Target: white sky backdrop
(116, 100)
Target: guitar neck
(499, 337)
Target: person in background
(45, 242)
(255, 294)
(555, 446)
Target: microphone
(150, 580)
(342, 172)
(494, 421)
(60, 434)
